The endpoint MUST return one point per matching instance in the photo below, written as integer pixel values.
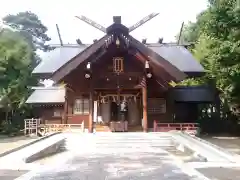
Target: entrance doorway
(119, 107)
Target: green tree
(216, 35)
(18, 57)
(15, 72)
(31, 27)
(192, 30)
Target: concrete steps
(102, 128)
(105, 128)
(115, 141)
(135, 128)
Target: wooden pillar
(91, 105)
(144, 102)
(65, 112)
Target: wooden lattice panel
(118, 65)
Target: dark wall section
(187, 100)
(200, 94)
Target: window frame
(56, 111)
(81, 110)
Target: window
(81, 106)
(118, 64)
(156, 106)
(57, 112)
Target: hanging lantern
(88, 71)
(88, 65)
(117, 42)
(147, 65)
(147, 68)
(149, 75)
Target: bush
(9, 129)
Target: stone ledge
(232, 157)
(43, 151)
(26, 145)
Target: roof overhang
(80, 58)
(158, 63)
(47, 95)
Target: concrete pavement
(115, 156)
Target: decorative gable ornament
(47, 82)
(118, 65)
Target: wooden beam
(91, 106)
(142, 21)
(180, 34)
(123, 74)
(59, 35)
(65, 111)
(144, 102)
(92, 23)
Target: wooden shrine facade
(115, 79)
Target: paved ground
(118, 156)
(217, 173)
(8, 143)
(232, 144)
(6, 174)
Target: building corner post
(90, 122)
(144, 102)
(65, 113)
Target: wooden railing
(63, 127)
(31, 126)
(190, 128)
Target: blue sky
(167, 24)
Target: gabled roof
(55, 59)
(77, 60)
(49, 95)
(177, 55)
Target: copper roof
(43, 95)
(55, 59)
(177, 55)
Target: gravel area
(8, 143)
(221, 173)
